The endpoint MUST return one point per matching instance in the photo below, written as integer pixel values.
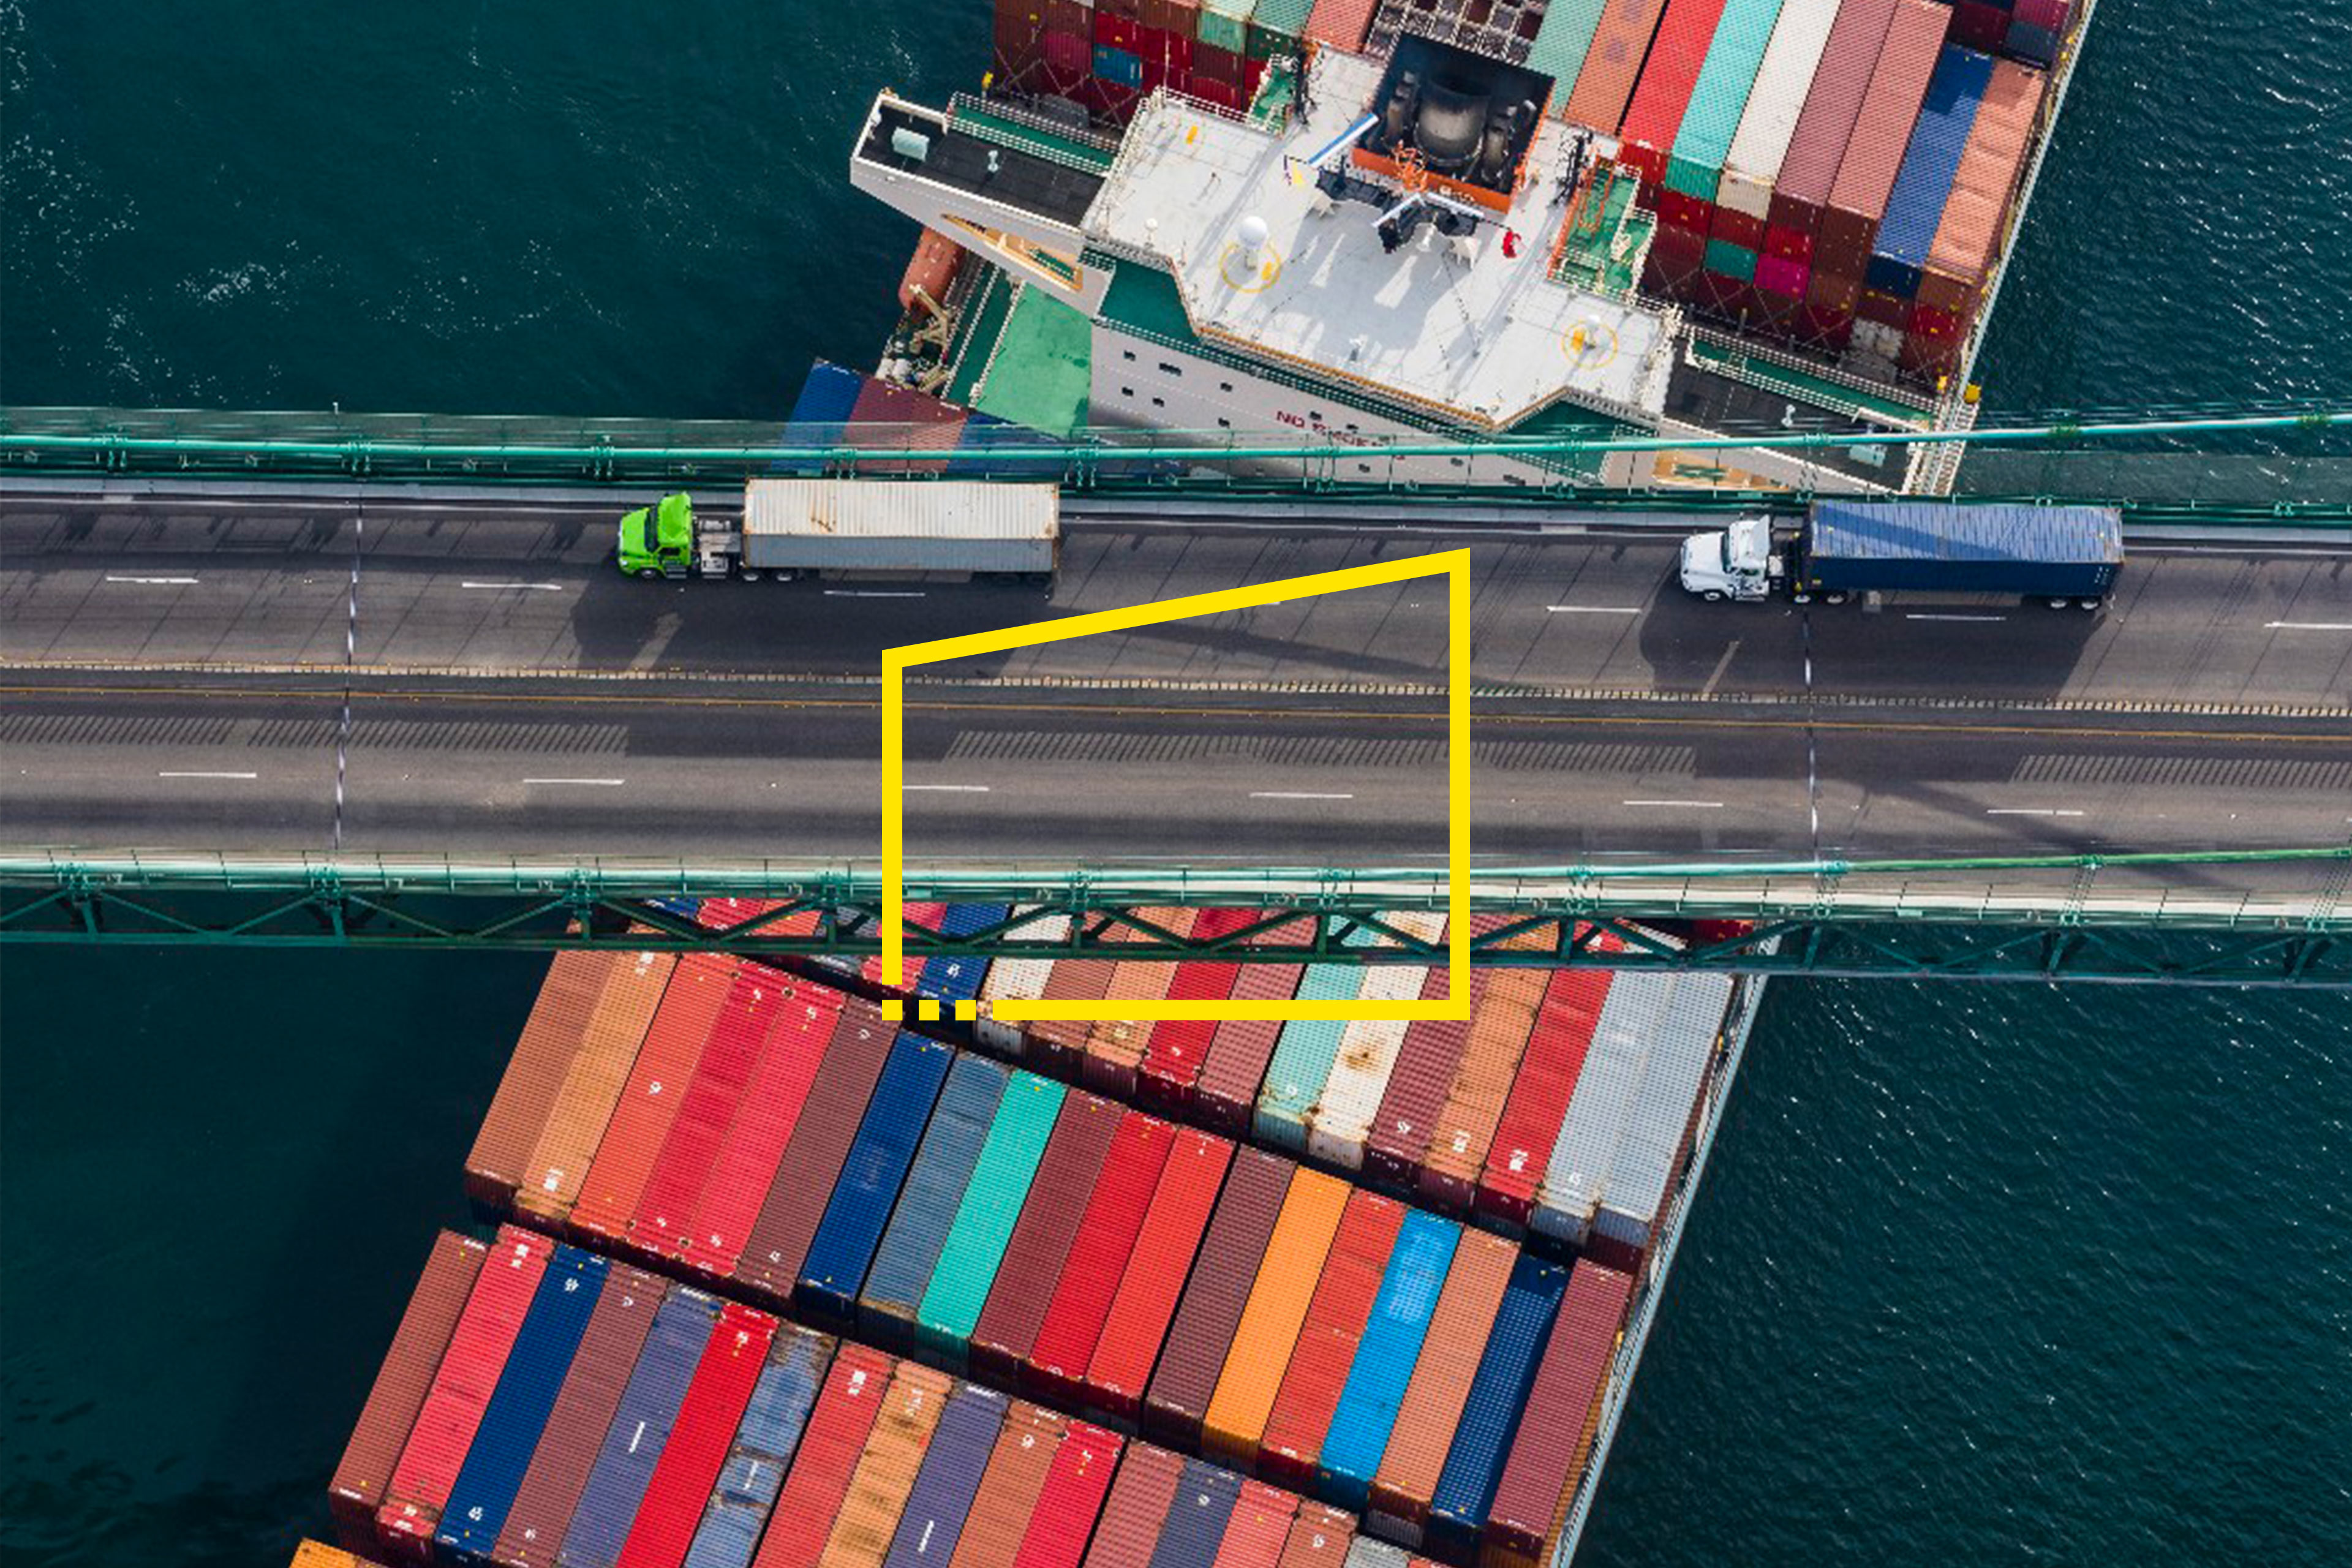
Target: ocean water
(1983, 1274)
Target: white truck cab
(1734, 563)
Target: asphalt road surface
(178, 667)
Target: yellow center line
(1162, 710)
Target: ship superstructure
(1406, 235)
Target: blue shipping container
(1385, 1357)
(1924, 182)
(871, 1175)
(2071, 552)
(934, 1190)
(1118, 67)
(933, 1519)
(765, 1441)
(2034, 45)
(820, 414)
(952, 980)
(1195, 1526)
(526, 1387)
(1474, 1465)
(632, 1444)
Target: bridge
(237, 655)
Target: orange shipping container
(1270, 1321)
(649, 1097)
(1458, 1140)
(550, 1038)
(1613, 63)
(1136, 1510)
(1441, 1381)
(1326, 1345)
(1259, 1528)
(886, 1470)
(1115, 1047)
(624, 1010)
(1008, 1493)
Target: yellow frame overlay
(1454, 565)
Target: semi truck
(2062, 555)
(792, 529)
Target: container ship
(1363, 223)
(776, 1282)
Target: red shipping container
(795, 1203)
(1137, 1509)
(1789, 244)
(1259, 1527)
(1886, 309)
(1692, 214)
(1213, 65)
(1825, 327)
(550, 1038)
(1980, 25)
(1882, 132)
(1057, 1046)
(1118, 32)
(1223, 95)
(1677, 51)
(1936, 325)
(1178, 52)
(1173, 1050)
(1326, 1348)
(706, 1108)
(452, 1411)
(2050, 14)
(688, 1469)
(1129, 8)
(681, 1028)
(1039, 1248)
(1415, 1092)
(1612, 65)
(1929, 359)
(1137, 1317)
(831, 1444)
(1115, 1046)
(1074, 18)
(1072, 1498)
(405, 1377)
(1729, 224)
(1319, 1538)
(534, 1527)
(1070, 54)
(1825, 124)
(1555, 1436)
(1155, 76)
(1211, 1309)
(1532, 1117)
(1239, 1051)
(1099, 1256)
(1009, 1486)
(798, 1031)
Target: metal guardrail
(2030, 918)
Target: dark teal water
(1993, 1275)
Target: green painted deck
(1816, 390)
(983, 322)
(1030, 139)
(1592, 258)
(1042, 373)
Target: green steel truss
(2023, 917)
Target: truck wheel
(1713, 596)
(2058, 604)
(2087, 604)
(787, 575)
(1800, 598)
(650, 574)
(749, 575)
(1833, 598)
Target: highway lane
(523, 582)
(683, 768)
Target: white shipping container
(1685, 1043)
(1342, 1114)
(899, 525)
(1765, 125)
(1365, 1553)
(1017, 980)
(1602, 1106)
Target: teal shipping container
(984, 1220)
(1696, 164)
(1304, 1054)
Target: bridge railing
(2279, 465)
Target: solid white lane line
(2029, 811)
(1915, 616)
(870, 593)
(1295, 794)
(1701, 804)
(603, 784)
(2307, 626)
(205, 775)
(949, 789)
(156, 582)
(531, 588)
(1593, 609)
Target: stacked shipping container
(1107, 55)
(714, 1435)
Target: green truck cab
(657, 540)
